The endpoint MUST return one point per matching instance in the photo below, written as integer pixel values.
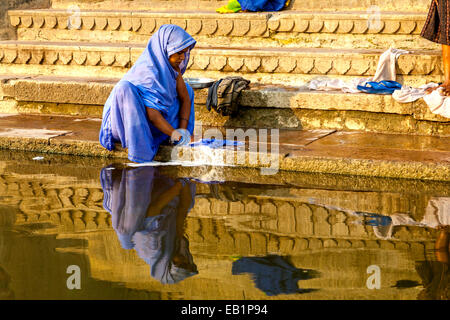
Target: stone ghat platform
(320, 151)
(262, 106)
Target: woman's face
(177, 58)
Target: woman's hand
(180, 137)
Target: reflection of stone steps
(291, 214)
(273, 220)
(286, 28)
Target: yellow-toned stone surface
(266, 106)
(277, 65)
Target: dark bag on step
(223, 95)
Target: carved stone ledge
(345, 23)
(146, 23)
(281, 61)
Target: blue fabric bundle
(382, 87)
(150, 83)
(262, 5)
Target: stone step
(323, 5)
(261, 106)
(337, 154)
(287, 29)
(288, 66)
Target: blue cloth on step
(216, 143)
(150, 83)
(382, 87)
(262, 5)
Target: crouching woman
(151, 103)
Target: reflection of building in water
(148, 214)
(253, 219)
(435, 215)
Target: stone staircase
(67, 58)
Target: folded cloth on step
(326, 84)
(386, 64)
(438, 103)
(409, 94)
(224, 94)
(216, 143)
(382, 87)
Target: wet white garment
(385, 71)
(409, 94)
(437, 213)
(327, 84)
(438, 103)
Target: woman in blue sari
(152, 102)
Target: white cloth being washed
(385, 71)
(409, 94)
(438, 103)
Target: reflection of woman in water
(148, 213)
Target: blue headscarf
(152, 73)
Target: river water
(88, 228)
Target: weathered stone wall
(6, 31)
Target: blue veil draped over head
(152, 73)
(150, 83)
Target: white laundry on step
(385, 71)
(438, 103)
(386, 65)
(327, 84)
(409, 94)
